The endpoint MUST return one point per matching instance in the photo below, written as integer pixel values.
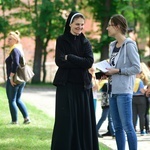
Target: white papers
(102, 65)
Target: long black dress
(75, 125)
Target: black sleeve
(73, 61)
(60, 55)
(15, 60)
(86, 61)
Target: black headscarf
(67, 27)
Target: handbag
(24, 73)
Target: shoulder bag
(24, 73)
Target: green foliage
(49, 22)
(97, 45)
(43, 19)
(102, 11)
(17, 12)
(3, 25)
(135, 11)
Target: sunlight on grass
(35, 136)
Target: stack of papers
(102, 65)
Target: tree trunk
(37, 60)
(104, 53)
(44, 66)
(104, 23)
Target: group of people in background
(75, 122)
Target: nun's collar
(72, 36)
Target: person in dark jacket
(75, 124)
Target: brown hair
(121, 21)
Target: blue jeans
(95, 104)
(110, 124)
(121, 111)
(14, 95)
(105, 114)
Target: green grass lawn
(35, 136)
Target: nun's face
(77, 26)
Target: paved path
(44, 99)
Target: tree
(48, 23)
(102, 11)
(4, 27)
(138, 19)
(44, 22)
(135, 11)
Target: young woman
(125, 62)
(13, 89)
(75, 125)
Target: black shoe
(107, 134)
(99, 135)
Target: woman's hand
(112, 71)
(11, 79)
(12, 82)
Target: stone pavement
(44, 99)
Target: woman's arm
(132, 54)
(15, 63)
